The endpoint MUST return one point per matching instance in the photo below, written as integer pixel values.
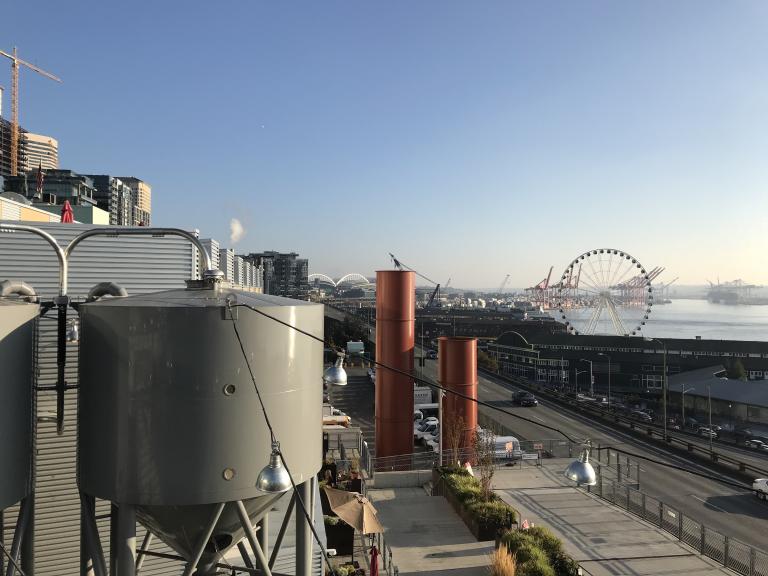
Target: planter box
(481, 530)
(341, 537)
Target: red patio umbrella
(374, 561)
(66, 213)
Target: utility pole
(591, 378)
(609, 377)
(709, 403)
(663, 384)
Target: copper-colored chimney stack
(457, 370)
(395, 328)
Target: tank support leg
(263, 533)
(303, 533)
(261, 560)
(244, 555)
(126, 540)
(281, 533)
(192, 564)
(22, 523)
(113, 545)
(145, 544)
(94, 555)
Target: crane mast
(16, 63)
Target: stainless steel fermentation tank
(170, 427)
(17, 331)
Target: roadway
(731, 511)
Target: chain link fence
(729, 552)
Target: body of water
(692, 318)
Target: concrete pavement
(604, 539)
(426, 536)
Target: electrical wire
(413, 376)
(497, 408)
(274, 438)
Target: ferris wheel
(604, 291)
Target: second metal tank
(17, 326)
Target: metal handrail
(60, 253)
(203, 256)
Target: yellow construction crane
(16, 62)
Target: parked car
(426, 430)
(420, 425)
(756, 444)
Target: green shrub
(533, 561)
(550, 543)
(496, 512)
(549, 557)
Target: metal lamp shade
(581, 471)
(336, 375)
(274, 478)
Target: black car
(525, 399)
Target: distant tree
(455, 435)
(735, 369)
(484, 360)
(484, 447)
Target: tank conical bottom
(182, 527)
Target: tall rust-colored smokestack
(457, 370)
(395, 327)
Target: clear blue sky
(472, 139)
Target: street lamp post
(709, 405)
(577, 378)
(609, 377)
(663, 384)
(682, 396)
(591, 378)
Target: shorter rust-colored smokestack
(457, 371)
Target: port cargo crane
(16, 63)
(503, 285)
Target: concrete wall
(404, 479)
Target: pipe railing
(203, 256)
(60, 254)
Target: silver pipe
(105, 289)
(261, 560)
(18, 287)
(63, 265)
(192, 564)
(204, 257)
